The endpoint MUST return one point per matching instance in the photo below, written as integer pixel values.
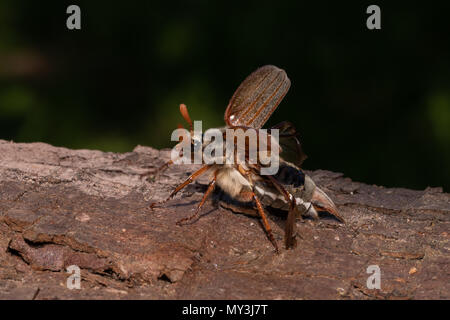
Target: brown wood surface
(61, 207)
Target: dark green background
(374, 105)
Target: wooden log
(61, 207)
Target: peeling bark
(61, 207)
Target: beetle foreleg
(205, 196)
(191, 178)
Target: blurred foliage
(372, 104)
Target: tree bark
(61, 207)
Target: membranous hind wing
(257, 97)
(289, 140)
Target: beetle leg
(265, 222)
(259, 206)
(289, 234)
(205, 196)
(191, 178)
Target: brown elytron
(289, 189)
(257, 97)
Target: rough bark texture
(61, 207)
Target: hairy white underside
(231, 181)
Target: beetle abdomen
(289, 175)
(294, 181)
